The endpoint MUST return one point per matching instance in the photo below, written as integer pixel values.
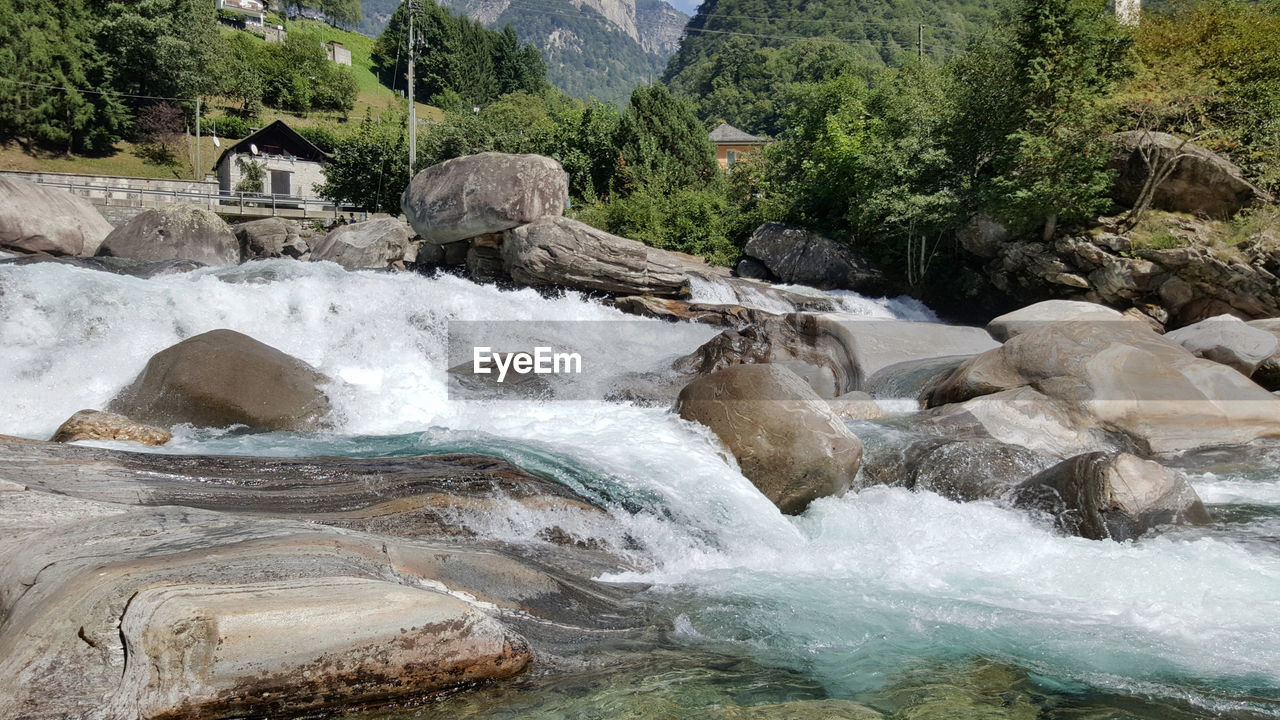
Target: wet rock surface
(788, 442)
(223, 378)
(98, 425)
(1110, 496)
(142, 608)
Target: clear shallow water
(846, 600)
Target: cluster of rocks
(1174, 286)
(1062, 408)
(53, 223)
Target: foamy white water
(857, 589)
(1236, 490)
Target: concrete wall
(340, 55)
(118, 190)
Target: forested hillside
(461, 64)
(739, 56)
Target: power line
(93, 92)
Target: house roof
(277, 139)
(727, 134)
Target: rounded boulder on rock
(1228, 340)
(378, 243)
(786, 439)
(35, 219)
(1031, 317)
(1113, 496)
(175, 232)
(481, 194)
(223, 378)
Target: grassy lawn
(373, 97)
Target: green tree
(370, 166)
(49, 69)
(661, 142)
(1068, 54)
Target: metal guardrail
(242, 203)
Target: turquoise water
(901, 601)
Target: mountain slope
(593, 48)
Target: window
(732, 156)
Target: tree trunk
(1050, 226)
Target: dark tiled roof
(727, 134)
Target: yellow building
(733, 144)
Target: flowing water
(904, 601)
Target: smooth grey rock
(1050, 311)
(560, 252)
(35, 219)
(117, 266)
(374, 244)
(223, 378)
(1204, 182)
(1113, 496)
(1228, 340)
(1122, 380)
(788, 442)
(1268, 372)
(175, 232)
(481, 194)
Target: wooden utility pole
(413, 105)
(198, 163)
(920, 42)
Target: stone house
(291, 166)
(337, 53)
(733, 144)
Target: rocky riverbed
(286, 496)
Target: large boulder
(223, 378)
(961, 470)
(1113, 496)
(36, 219)
(557, 251)
(482, 194)
(98, 425)
(795, 255)
(377, 243)
(175, 232)
(271, 238)
(1228, 340)
(835, 353)
(1203, 181)
(1117, 380)
(786, 439)
(1050, 311)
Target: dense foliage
(459, 61)
(78, 74)
(740, 56)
